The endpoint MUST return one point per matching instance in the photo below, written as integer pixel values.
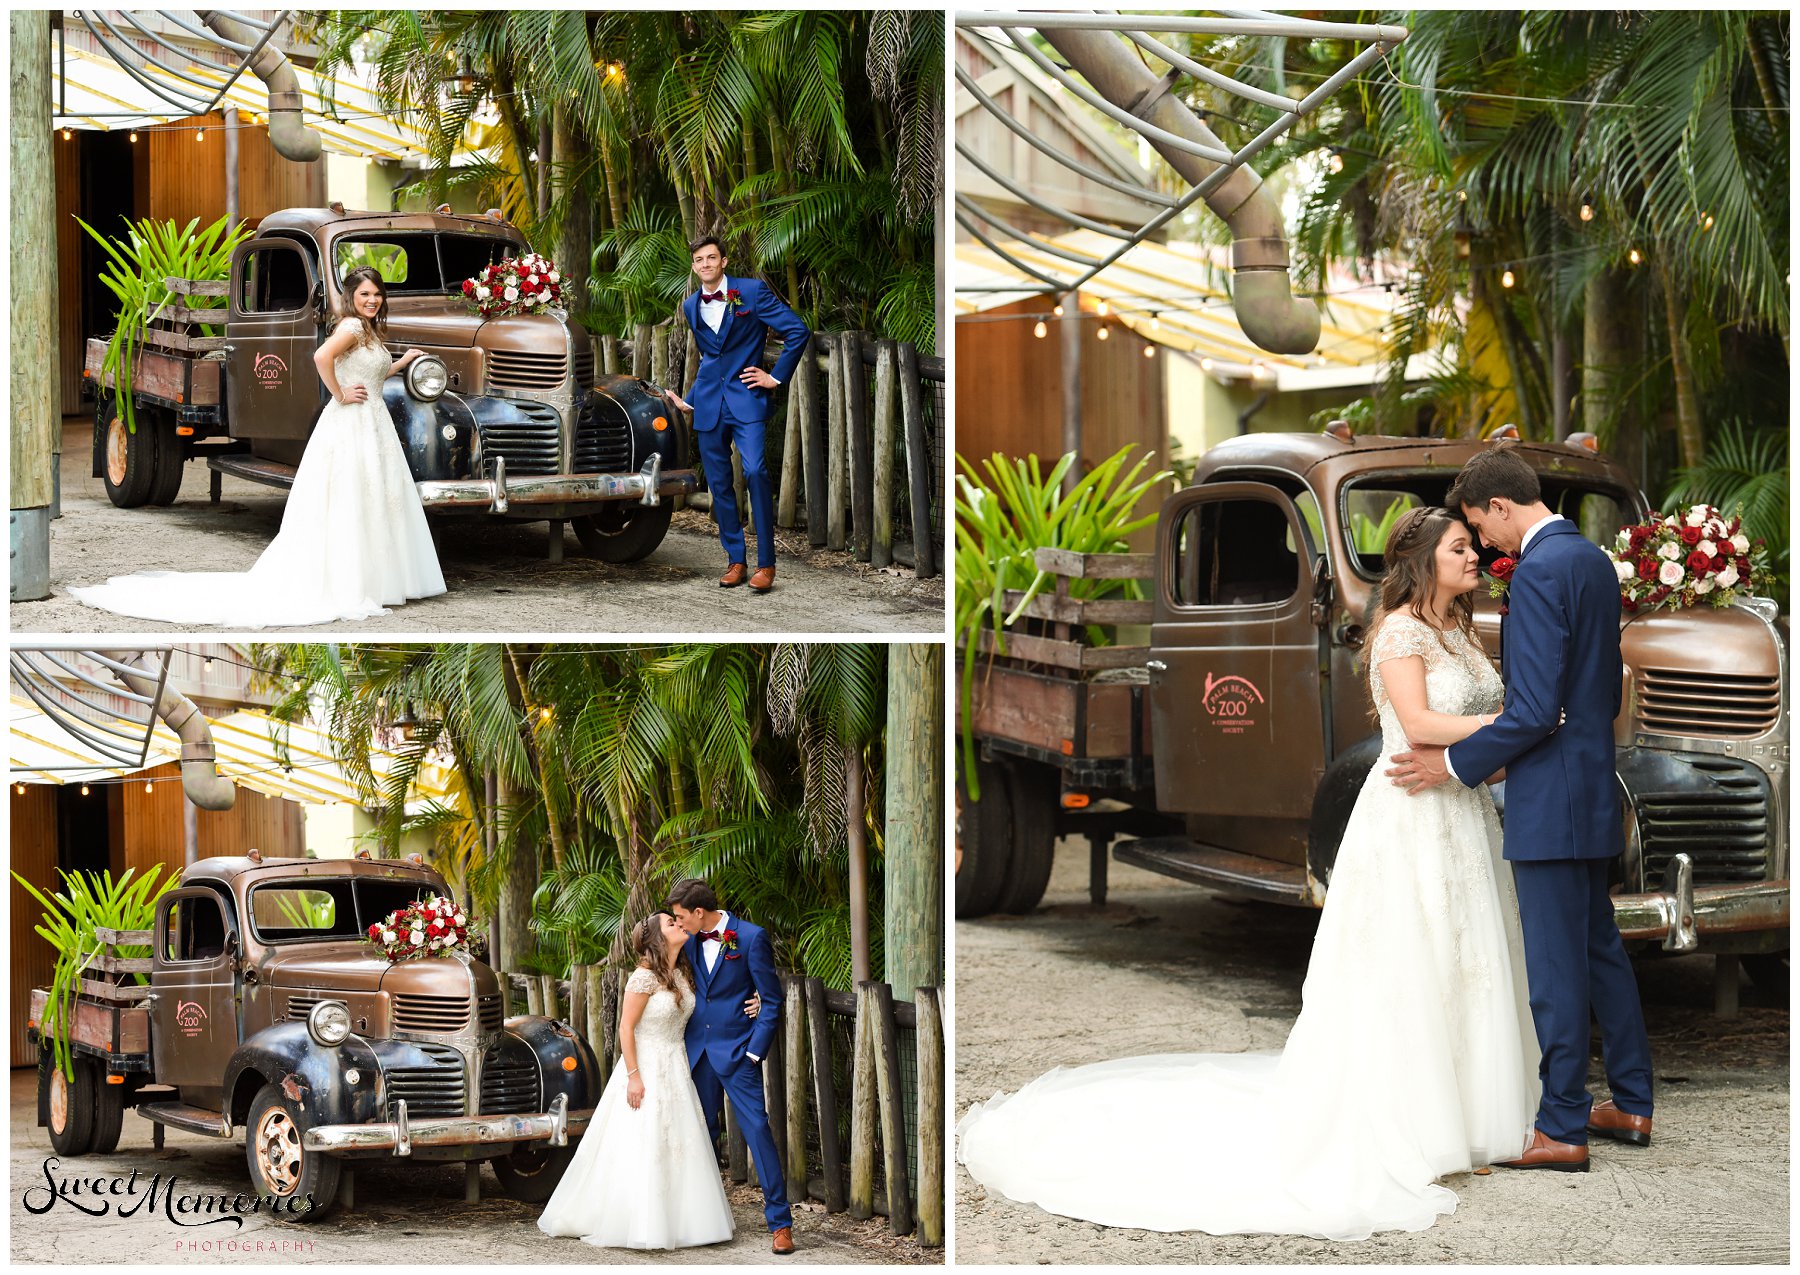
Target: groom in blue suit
(731, 959)
(1559, 646)
(731, 319)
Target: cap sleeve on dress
(642, 981)
(1401, 635)
(351, 324)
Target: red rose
(1502, 568)
(1719, 561)
(1690, 535)
(1647, 567)
(1660, 594)
(1630, 604)
(1743, 566)
(1732, 530)
(1697, 561)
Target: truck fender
(420, 425)
(1333, 801)
(553, 1040)
(641, 404)
(309, 1074)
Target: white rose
(416, 937)
(387, 936)
(512, 294)
(1708, 548)
(1624, 540)
(512, 280)
(1671, 574)
(1714, 528)
(481, 292)
(1625, 569)
(1670, 551)
(1703, 586)
(555, 277)
(1740, 543)
(1729, 576)
(1696, 515)
(459, 919)
(1669, 522)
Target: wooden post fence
(887, 409)
(930, 1046)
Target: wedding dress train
(1414, 1055)
(353, 538)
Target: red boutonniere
(1500, 574)
(728, 945)
(735, 300)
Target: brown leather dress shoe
(734, 575)
(1609, 1122)
(1547, 1153)
(782, 1241)
(762, 579)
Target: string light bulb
(1041, 329)
(1100, 309)
(1206, 365)
(67, 135)
(84, 790)
(1635, 257)
(20, 789)
(1149, 351)
(1056, 310)
(1104, 332)
(544, 713)
(1707, 223)
(199, 135)
(1506, 279)
(134, 137)
(1587, 208)
(147, 786)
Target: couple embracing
(697, 1018)
(1446, 1008)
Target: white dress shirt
(709, 948)
(712, 313)
(1524, 544)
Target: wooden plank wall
(34, 858)
(152, 832)
(70, 337)
(187, 174)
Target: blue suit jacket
(1559, 653)
(736, 345)
(718, 1029)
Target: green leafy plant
(87, 903)
(151, 252)
(1002, 523)
(1748, 467)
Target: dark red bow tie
(712, 296)
(710, 934)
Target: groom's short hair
(694, 895)
(704, 241)
(1497, 472)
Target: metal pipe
(969, 225)
(1042, 205)
(287, 129)
(200, 777)
(1023, 236)
(1294, 28)
(231, 166)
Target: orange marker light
(115, 1080)
(569, 1064)
(660, 424)
(184, 430)
(1075, 800)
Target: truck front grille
(1725, 832)
(437, 1090)
(530, 446)
(1717, 705)
(508, 1087)
(430, 1013)
(519, 370)
(584, 362)
(602, 439)
(489, 1012)
(298, 1007)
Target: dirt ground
(499, 577)
(1166, 967)
(406, 1216)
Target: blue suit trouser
(715, 455)
(1576, 965)
(744, 1087)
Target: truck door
(1234, 681)
(272, 390)
(193, 1013)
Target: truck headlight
(427, 378)
(329, 1023)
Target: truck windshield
(414, 262)
(313, 909)
(1370, 507)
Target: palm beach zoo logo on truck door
(1231, 702)
(190, 1017)
(270, 371)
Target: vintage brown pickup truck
(1230, 748)
(267, 1017)
(507, 417)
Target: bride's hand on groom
(753, 1006)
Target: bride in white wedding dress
(1414, 1056)
(353, 537)
(645, 1175)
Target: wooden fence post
(640, 350)
(862, 494)
(793, 1025)
(598, 1029)
(578, 999)
(885, 1037)
(825, 1090)
(922, 482)
(659, 355)
(789, 495)
(552, 996)
(929, 1040)
(837, 456)
(814, 429)
(887, 409)
(863, 1106)
(610, 1002)
(534, 995)
(609, 354)
(774, 1077)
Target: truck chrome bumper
(402, 1134)
(498, 494)
(1681, 913)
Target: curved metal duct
(287, 128)
(1263, 296)
(200, 777)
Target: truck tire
(984, 839)
(109, 1112)
(530, 1176)
(127, 459)
(1034, 796)
(70, 1103)
(165, 486)
(624, 532)
(280, 1166)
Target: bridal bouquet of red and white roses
(515, 285)
(1682, 559)
(428, 927)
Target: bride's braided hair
(653, 954)
(374, 331)
(1410, 580)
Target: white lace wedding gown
(353, 537)
(1414, 1055)
(646, 1177)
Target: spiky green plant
(151, 252)
(85, 904)
(1747, 467)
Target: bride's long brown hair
(652, 953)
(1410, 581)
(374, 331)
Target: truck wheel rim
(278, 1156)
(118, 439)
(59, 1099)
